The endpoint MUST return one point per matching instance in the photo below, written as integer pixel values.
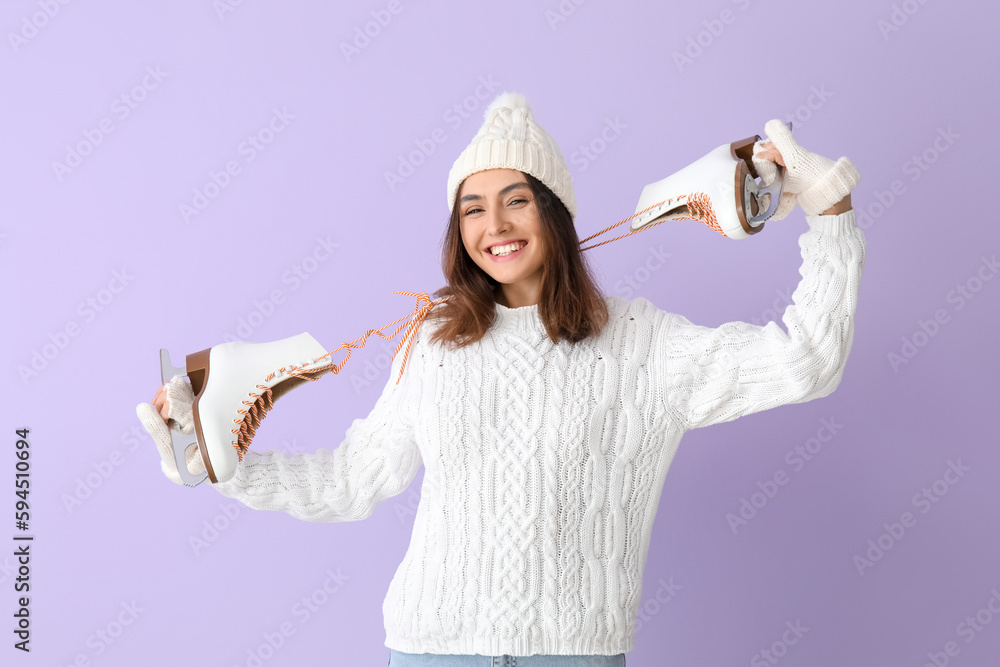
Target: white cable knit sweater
(544, 462)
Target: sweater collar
(525, 318)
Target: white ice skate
(719, 190)
(234, 385)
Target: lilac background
(885, 95)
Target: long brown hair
(571, 307)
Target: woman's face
(498, 213)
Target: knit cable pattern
(544, 462)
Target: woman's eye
(477, 209)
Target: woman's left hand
(817, 182)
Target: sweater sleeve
(714, 375)
(377, 459)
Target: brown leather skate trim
(743, 150)
(197, 371)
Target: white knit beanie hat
(511, 139)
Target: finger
(162, 405)
(773, 154)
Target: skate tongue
(671, 209)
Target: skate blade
(774, 189)
(179, 440)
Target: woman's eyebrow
(512, 186)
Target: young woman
(546, 416)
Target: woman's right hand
(171, 403)
(816, 182)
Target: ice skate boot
(234, 386)
(719, 190)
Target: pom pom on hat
(511, 139)
(507, 100)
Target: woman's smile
(505, 252)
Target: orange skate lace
(699, 208)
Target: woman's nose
(497, 221)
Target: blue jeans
(401, 659)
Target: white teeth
(502, 250)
